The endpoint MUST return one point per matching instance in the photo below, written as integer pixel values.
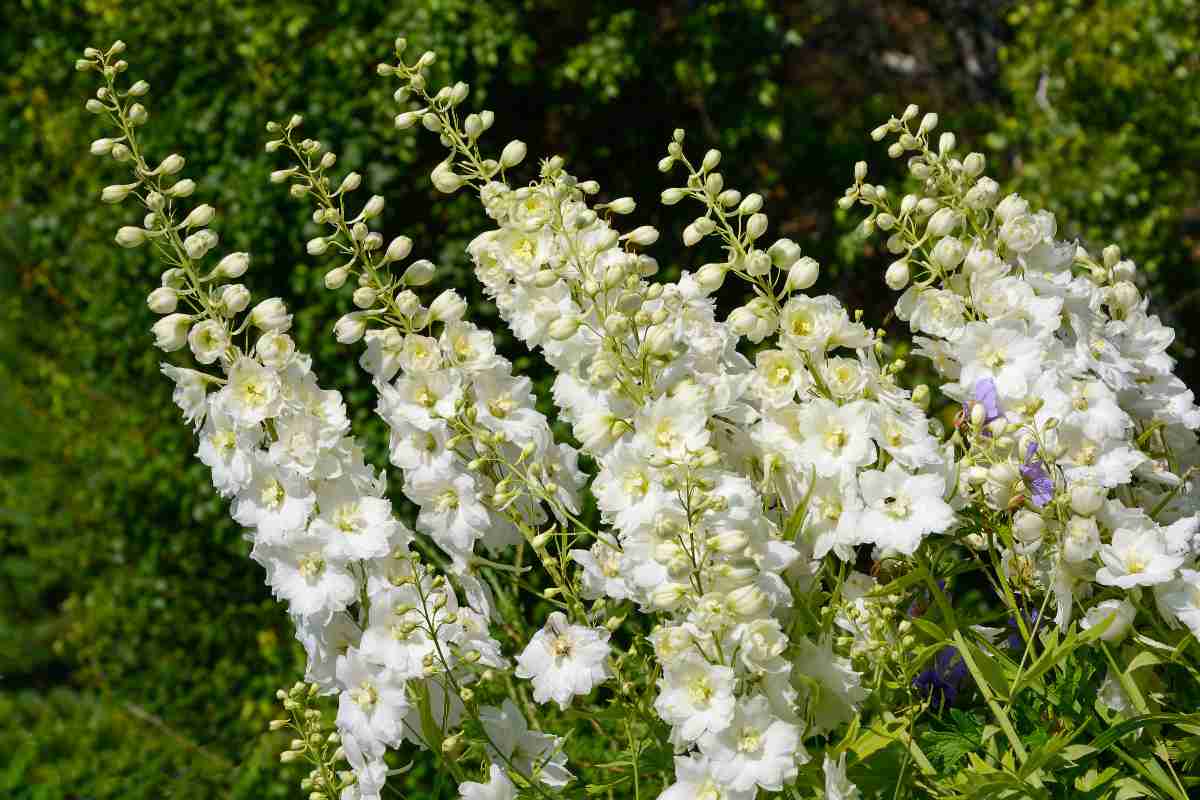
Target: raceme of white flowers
(743, 465)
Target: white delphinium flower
(1137, 557)
(938, 312)
(276, 502)
(1118, 614)
(694, 780)
(498, 787)
(696, 697)
(373, 702)
(191, 392)
(534, 754)
(300, 572)
(397, 633)
(564, 660)
(757, 748)
(252, 393)
(900, 508)
(450, 509)
(602, 576)
(1179, 600)
(324, 640)
(837, 785)
(1003, 352)
(228, 448)
(354, 526)
(832, 438)
(841, 690)
(382, 356)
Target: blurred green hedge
(139, 649)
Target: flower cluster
(1075, 438)
(698, 590)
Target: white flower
(694, 780)
(498, 787)
(191, 392)
(450, 509)
(672, 426)
(382, 356)
(170, 332)
(276, 502)
(938, 312)
(901, 508)
(757, 748)
(840, 691)
(1121, 614)
(252, 393)
(397, 633)
(1137, 557)
(301, 573)
(1179, 600)
(602, 576)
(833, 437)
(228, 450)
(837, 785)
(374, 701)
(564, 660)
(353, 526)
(534, 754)
(696, 697)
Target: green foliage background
(139, 649)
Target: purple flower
(985, 396)
(1041, 486)
(942, 682)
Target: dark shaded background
(139, 649)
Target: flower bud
(747, 601)
(784, 253)
(973, 164)
(444, 178)
(751, 204)
(513, 154)
(182, 188)
(419, 273)
(102, 147)
(373, 208)
(365, 297)
(644, 235)
(563, 328)
(235, 297)
(1086, 498)
(803, 274)
(170, 165)
(275, 349)
(756, 226)
(233, 265)
(860, 171)
(897, 275)
(129, 236)
(199, 243)
(117, 192)
(622, 205)
(658, 340)
(672, 196)
(398, 249)
(948, 253)
(943, 222)
(350, 328)
(711, 276)
(448, 307)
(1027, 526)
(271, 315)
(201, 215)
(711, 159)
(163, 300)
(170, 332)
